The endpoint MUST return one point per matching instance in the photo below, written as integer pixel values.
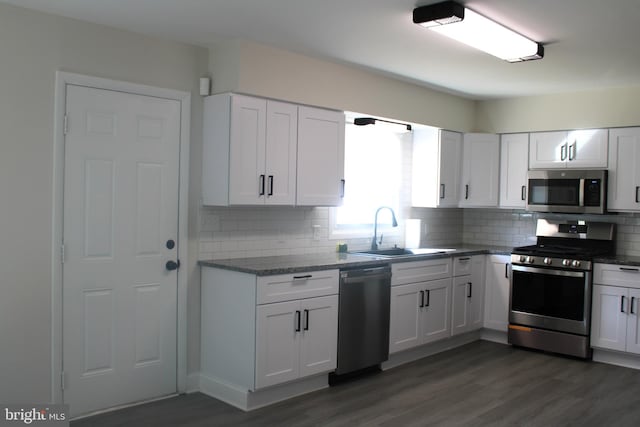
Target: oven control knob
(547, 261)
(566, 262)
(523, 258)
(575, 263)
(529, 259)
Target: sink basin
(404, 252)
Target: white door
(450, 156)
(624, 174)
(434, 314)
(247, 179)
(405, 320)
(587, 148)
(548, 150)
(633, 322)
(476, 303)
(460, 306)
(278, 327)
(496, 307)
(281, 150)
(120, 211)
(609, 317)
(480, 170)
(514, 163)
(319, 343)
(320, 157)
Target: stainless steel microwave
(567, 190)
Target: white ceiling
(589, 44)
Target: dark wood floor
(479, 384)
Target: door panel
(281, 152)
(633, 322)
(318, 345)
(435, 317)
(120, 206)
(609, 321)
(405, 324)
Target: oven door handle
(547, 271)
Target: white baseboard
(616, 358)
(250, 400)
(193, 382)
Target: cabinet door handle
(442, 191)
(631, 305)
(270, 186)
(464, 259)
(342, 182)
(637, 188)
(421, 299)
(634, 270)
(563, 152)
(306, 276)
(306, 320)
(470, 289)
(523, 192)
(428, 292)
(506, 271)
(622, 304)
(261, 186)
(466, 191)
(572, 150)
(297, 321)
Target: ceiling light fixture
(464, 25)
(363, 121)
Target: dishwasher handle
(357, 275)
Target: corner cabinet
(496, 305)
(468, 294)
(624, 174)
(320, 157)
(261, 331)
(260, 151)
(575, 149)
(480, 170)
(514, 163)
(436, 168)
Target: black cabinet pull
(572, 151)
(464, 259)
(622, 304)
(270, 185)
(635, 270)
(466, 191)
(506, 271)
(306, 276)
(442, 191)
(470, 289)
(428, 292)
(523, 192)
(261, 186)
(306, 320)
(563, 152)
(421, 299)
(637, 188)
(343, 182)
(631, 305)
(297, 321)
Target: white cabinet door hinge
(65, 124)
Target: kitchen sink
(393, 252)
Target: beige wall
(276, 73)
(33, 46)
(589, 109)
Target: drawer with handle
(617, 275)
(287, 287)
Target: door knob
(172, 265)
(171, 244)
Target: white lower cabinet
(496, 306)
(468, 295)
(295, 339)
(615, 324)
(420, 311)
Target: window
(374, 177)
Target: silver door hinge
(62, 380)
(65, 124)
(62, 254)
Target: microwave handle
(581, 193)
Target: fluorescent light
(471, 28)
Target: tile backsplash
(269, 231)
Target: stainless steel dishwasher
(363, 319)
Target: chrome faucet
(394, 223)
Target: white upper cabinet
(624, 174)
(514, 161)
(265, 152)
(320, 157)
(436, 168)
(480, 170)
(575, 149)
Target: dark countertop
(619, 260)
(268, 266)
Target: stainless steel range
(551, 285)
